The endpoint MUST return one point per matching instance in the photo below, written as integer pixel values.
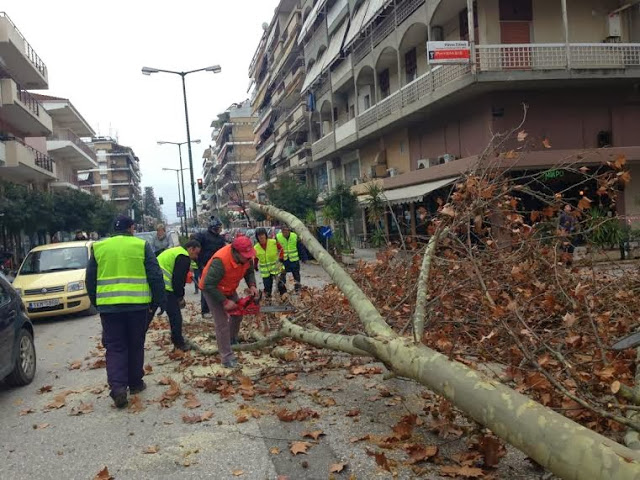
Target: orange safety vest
(233, 271)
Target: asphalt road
(38, 441)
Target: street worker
(288, 240)
(175, 264)
(268, 261)
(160, 241)
(125, 283)
(211, 241)
(219, 282)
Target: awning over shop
(412, 193)
(266, 123)
(375, 6)
(335, 45)
(313, 74)
(356, 23)
(310, 19)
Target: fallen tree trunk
(566, 448)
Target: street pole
(184, 200)
(186, 118)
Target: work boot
(234, 341)
(233, 363)
(184, 346)
(138, 389)
(119, 399)
(297, 287)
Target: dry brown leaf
(274, 450)
(315, 434)
(151, 449)
(461, 471)
(237, 473)
(148, 369)
(299, 447)
(192, 402)
(242, 419)
(40, 426)
(103, 474)
(75, 365)
(354, 412)
(45, 389)
(522, 135)
(337, 467)
(546, 143)
(206, 415)
(569, 319)
(81, 409)
(26, 411)
(135, 404)
(381, 460)
(419, 453)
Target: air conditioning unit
(392, 172)
(446, 158)
(424, 163)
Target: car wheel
(25, 367)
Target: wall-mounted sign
(448, 52)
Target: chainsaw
(250, 305)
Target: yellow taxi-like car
(51, 279)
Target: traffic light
(160, 201)
(200, 184)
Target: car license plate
(44, 303)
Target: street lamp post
(183, 223)
(184, 200)
(214, 69)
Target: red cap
(243, 246)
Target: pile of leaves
(505, 299)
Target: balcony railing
(70, 136)
(43, 160)
(29, 51)
(325, 143)
(318, 39)
(31, 103)
(553, 56)
(346, 130)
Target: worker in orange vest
(218, 282)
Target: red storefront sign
(448, 52)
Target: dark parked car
(17, 351)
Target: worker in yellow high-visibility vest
(268, 261)
(288, 240)
(125, 283)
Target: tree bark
(566, 448)
(423, 280)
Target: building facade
(380, 111)
(230, 173)
(117, 176)
(24, 122)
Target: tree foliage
(150, 205)
(341, 204)
(49, 212)
(289, 194)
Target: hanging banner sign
(448, 52)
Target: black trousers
(123, 335)
(175, 319)
(268, 284)
(294, 268)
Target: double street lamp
(184, 200)
(213, 69)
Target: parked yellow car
(51, 279)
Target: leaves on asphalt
(418, 453)
(26, 411)
(237, 473)
(299, 415)
(274, 451)
(151, 449)
(195, 418)
(45, 389)
(75, 365)
(81, 409)
(59, 400)
(103, 474)
(191, 401)
(40, 426)
(315, 434)
(337, 467)
(461, 471)
(135, 404)
(299, 447)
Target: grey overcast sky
(94, 51)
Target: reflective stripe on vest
(233, 271)
(268, 259)
(290, 246)
(167, 262)
(122, 278)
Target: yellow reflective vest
(290, 246)
(268, 261)
(121, 276)
(167, 262)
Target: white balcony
(65, 146)
(24, 164)
(323, 146)
(346, 130)
(19, 58)
(342, 73)
(22, 111)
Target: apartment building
(277, 72)
(23, 159)
(117, 176)
(230, 172)
(382, 111)
(64, 145)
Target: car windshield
(55, 260)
